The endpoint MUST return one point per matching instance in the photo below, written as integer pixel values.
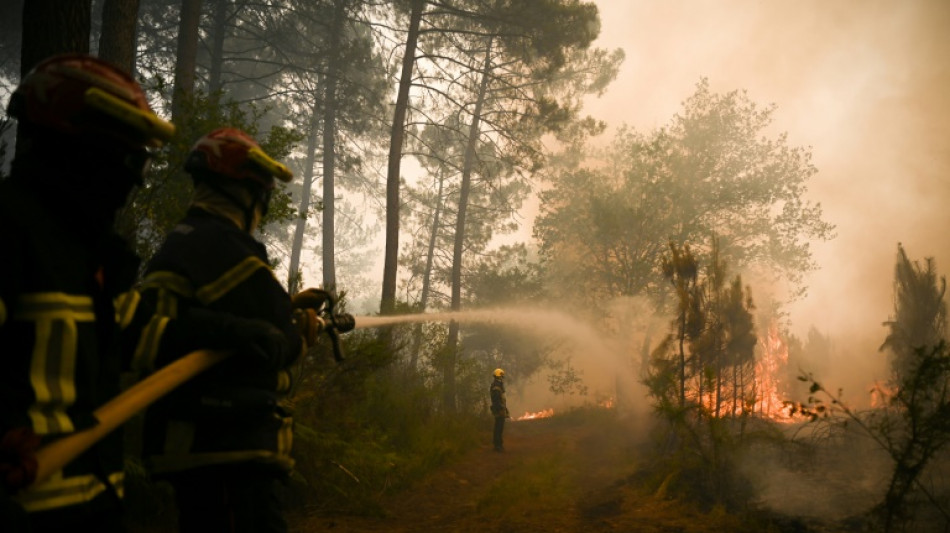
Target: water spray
(549, 322)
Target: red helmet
(82, 96)
(233, 154)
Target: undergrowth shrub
(367, 427)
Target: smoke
(842, 478)
(860, 82)
(607, 360)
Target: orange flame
(882, 393)
(544, 413)
(774, 357)
(768, 398)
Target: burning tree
(702, 376)
(711, 349)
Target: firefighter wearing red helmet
(84, 133)
(227, 164)
(68, 313)
(223, 440)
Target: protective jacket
(237, 411)
(499, 405)
(63, 302)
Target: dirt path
(557, 475)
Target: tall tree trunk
(718, 384)
(388, 301)
(219, 25)
(699, 369)
(735, 389)
(186, 57)
(293, 279)
(718, 354)
(430, 249)
(53, 27)
(451, 356)
(117, 42)
(329, 147)
(427, 273)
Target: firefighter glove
(311, 299)
(18, 457)
(344, 322)
(309, 325)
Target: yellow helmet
(498, 373)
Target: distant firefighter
(499, 408)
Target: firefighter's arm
(313, 314)
(258, 341)
(154, 340)
(309, 306)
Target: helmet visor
(154, 129)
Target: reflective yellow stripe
(53, 363)
(164, 279)
(283, 381)
(147, 123)
(143, 360)
(125, 305)
(230, 279)
(285, 437)
(166, 303)
(275, 169)
(54, 305)
(59, 492)
(169, 286)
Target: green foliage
(603, 227)
(544, 31)
(504, 277)
(565, 379)
(920, 312)
(368, 426)
(164, 197)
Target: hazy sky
(864, 83)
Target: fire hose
(57, 454)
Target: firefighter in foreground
(223, 440)
(499, 408)
(67, 314)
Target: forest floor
(557, 474)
